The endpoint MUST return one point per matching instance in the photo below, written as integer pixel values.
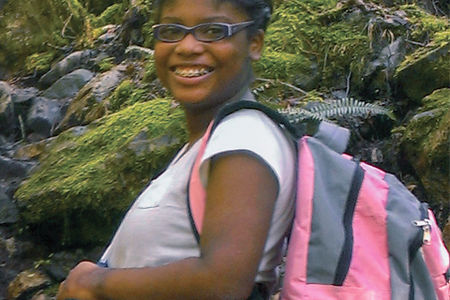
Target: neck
(198, 119)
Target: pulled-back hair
(258, 11)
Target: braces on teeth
(191, 73)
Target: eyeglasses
(207, 32)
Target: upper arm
(241, 194)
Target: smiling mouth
(191, 72)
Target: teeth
(191, 72)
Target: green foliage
(35, 26)
(425, 25)
(325, 111)
(86, 181)
(39, 62)
(305, 32)
(150, 70)
(106, 64)
(126, 94)
(111, 15)
(425, 144)
(281, 65)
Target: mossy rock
(89, 176)
(425, 144)
(424, 71)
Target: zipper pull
(426, 227)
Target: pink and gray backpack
(358, 233)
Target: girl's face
(201, 74)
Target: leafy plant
(337, 108)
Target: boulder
(423, 72)
(379, 71)
(88, 104)
(8, 210)
(69, 85)
(6, 107)
(425, 146)
(136, 52)
(26, 283)
(43, 116)
(65, 66)
(32, 150)
(20, 96)
(87, 178)
(10, 168)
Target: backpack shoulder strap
(334, 136)
(196, 195)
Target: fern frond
(336, 108)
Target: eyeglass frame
(231, 30)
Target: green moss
(281, 65)
(425, 142)
(429, 62)
(106, 64)
(150, 70)
(297, 36)
(111, 15)
(85, 182)
(39, 62)
(425, 25)
(126, 94)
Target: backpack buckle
(425, 224)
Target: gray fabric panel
(421, 280)
(333, 136)
(402, 210)
(331, 187)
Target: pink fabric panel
(298, 245)
(437, 260)
(197, 193)
(378, 173)
(330, 292)
(370, 245)
(368, 168)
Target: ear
(256, 45)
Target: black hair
(258, 11)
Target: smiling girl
(203, 55)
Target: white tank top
(157, 230)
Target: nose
(189, 45)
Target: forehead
(201, 8)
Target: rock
(389, 58)
(8, 210)
(423, 72)
(26, 283)
(69, 85)
(43, 116)
(136, 52)
(87, 179)
(61, 263)
(10, 168)
(23, 99)
(33, 150)
(87, 105)
(41, 296)
(111, 33)
(20, 96)
(6, 106)
(67, 65)
(425, 146)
